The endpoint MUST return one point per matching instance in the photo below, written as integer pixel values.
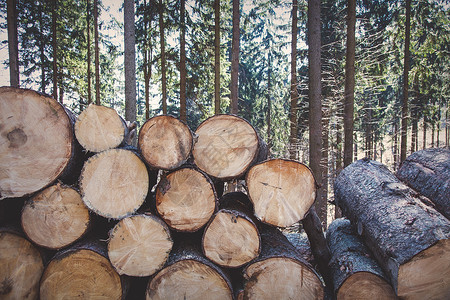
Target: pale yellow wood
(165, 142)
(185, 199)
(114, 183)
(188, 279)
(35, 141)
(426, 275)
(21, 268)
(281, 278)
(226, 146)
(282, 191)
(99, 128)
(83, 274)
(55, 217)
(231, 240)
(139, 245)
(365, 285)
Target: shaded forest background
(180, 56)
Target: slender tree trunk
(88, 29)
(97, 56)
(294, 93)
(183, 116)
(147, 65)
(396, 138)
(337, 210)
(404, 129)
(323, 210)
(42, 45)
(432, 134)
(235, 59)
(54, 45)
(424, 146)
(163, 58)
(438, 125)
(269, 104)
(447, 125)
(13, 45)
(349, 96)
(130, 61)
(217, 57)
(355, 148)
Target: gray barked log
(409, 239)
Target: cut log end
(21, 268)
(55, 217)
(282, 191)
(188, 279)
(165, 142)
(139, 245)
(99, 128)
(114, 183)
(36, 139)
(281, 278)
(427, 274)
(365, 285)
(80, 274)
(185, 199)
(231, 240)
(226, 147)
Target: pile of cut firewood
(83, 214)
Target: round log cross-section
(36, 141)
(165, 142)
(186, 199)
(55, 217)
(21, 267)
(139, 245)
(100, 128)
(282, 191)
(114, 183)
(226, 147)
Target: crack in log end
(16, 138)
(6, 286)
(164, 185)
(269, 185)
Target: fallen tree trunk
(356, 274)
(409, 239)
(55, 217)
(227, 146)
(82, 271)
(428, 172)
(282, 191)
(231, 238)
(165, 142)
(186, 199)
(21, 267)
(139, 245)
(189, 275)
(37, 142)
(114, 183)
(280, 272)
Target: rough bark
(163, 58)
(88, 35)
(37, 141)
(409, 239)
(13, 45)
(183, 116)
(129, 61)
(282, 191)
(280, 272)
(404, 127)
(356, 274)
(428, 172)
(139, 245)
(55, 217)
(294, 93)
(234, 88)
(55, 52)
(227, 146)
(186, 199)
(217, 57)
(165, 142)
(97, 55)
(231, 238)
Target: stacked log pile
(98, 218)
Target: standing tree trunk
(183, 116)
(13, 45)
(235, 59)
(404, 128)
(269, 104)
(217, 57)
(349, 93)
(163, 58)
(424, 146)
(294, 92)
(42, 45)
(147, 64)
(54, 45)
(88, 29)
(97, 59)
(130, 62)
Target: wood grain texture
(282, 191)
(165, 142)
(55, 217)
(36, 141)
